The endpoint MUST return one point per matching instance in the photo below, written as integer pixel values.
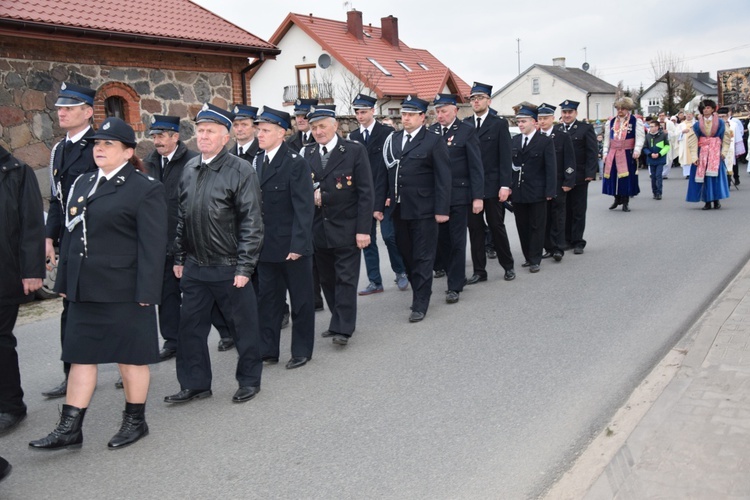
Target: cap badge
(236, 110)
(63, 87)
(408, 98)
(312, 109)
(437, 97)
(153, 119)
(106, 126)
(566, 103)
(205, 107)
(298, 102)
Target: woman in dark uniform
(111, 273)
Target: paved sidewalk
(694, 442)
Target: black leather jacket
(219, 221)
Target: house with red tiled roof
(143, 57)
(333, 61)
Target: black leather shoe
(475, 278)
(526, 264)
(319, 307)
(625, 208)
(245, 393)
(534, 268)
(186, 395)
(510, 275)
(67, 434)
(133, 428)
(558, 255)
(226, 344)
(491, 253)
(58, 391)
(546, 255)
(707, 206)
(270, 360)
(5, 468)
(451, 296)
(167, 353)
(578, 250)
(296, 362)
(339, 339)
(328, 333)
(614, 205)
(416, 317)
(439, 273)
(8, 421)
(717, 205)
(285, 320)
(119, 384)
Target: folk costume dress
(708, 175)
(622, 138)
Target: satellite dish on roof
(585, 66)
(324, 61)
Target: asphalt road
(492, 397)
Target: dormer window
(379, 66)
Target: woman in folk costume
(688, 149)
(624, 136)
(708, 174)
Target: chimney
(703, 77)
(389, 27)
(354, 24)
(558, 61)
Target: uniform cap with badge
(526, 112)
(363, 101)
(211, 113)
(74, 95)
(568, 104)
(414, 105)
(319, 112)
(545, 109)
(115, 129)
(445, 100)
(481, 89)
(162, 123)
(302, 106)
(270, 115)
(243, 112)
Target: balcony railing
(320, 91)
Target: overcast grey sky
(477, 40)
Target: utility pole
(585, 59)
(518, 51)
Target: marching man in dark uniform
(534, 183)
(554, 235)
(467, 189)
(372, 135)
(586, 149)
(419, 189)
(303, 136)
(166, 164)
(219, 237)
(494, 143)
(285, 261)
(343, 218)
(243, 128)
(69, 159)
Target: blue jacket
(656, 143)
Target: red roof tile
(172, 19)
(353, 53)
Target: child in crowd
(655, 150)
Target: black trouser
(554, 235)
(531, 219)
(11, 394)
(575, 215)
(200, 293)
(169, 309)
(417, 243)
(452, 246)
(63, 322)
(338, 269)
(316, 287)
(274, 278)
(496, 222)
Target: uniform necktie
(265, 163)
(164, 161)
(525, 142)
(479, 122)
(239, 150)
(408, 138)
(99, 183)
(325, 150)
(367, 135)
(68, 145)
(445, 130)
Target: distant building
(705, 87)
(143, 58)
(333, 61)
(554, 84)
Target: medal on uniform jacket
(338, 183)
(450, 140)
(348, 180)
(73, 210)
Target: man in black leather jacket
(219, 237)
